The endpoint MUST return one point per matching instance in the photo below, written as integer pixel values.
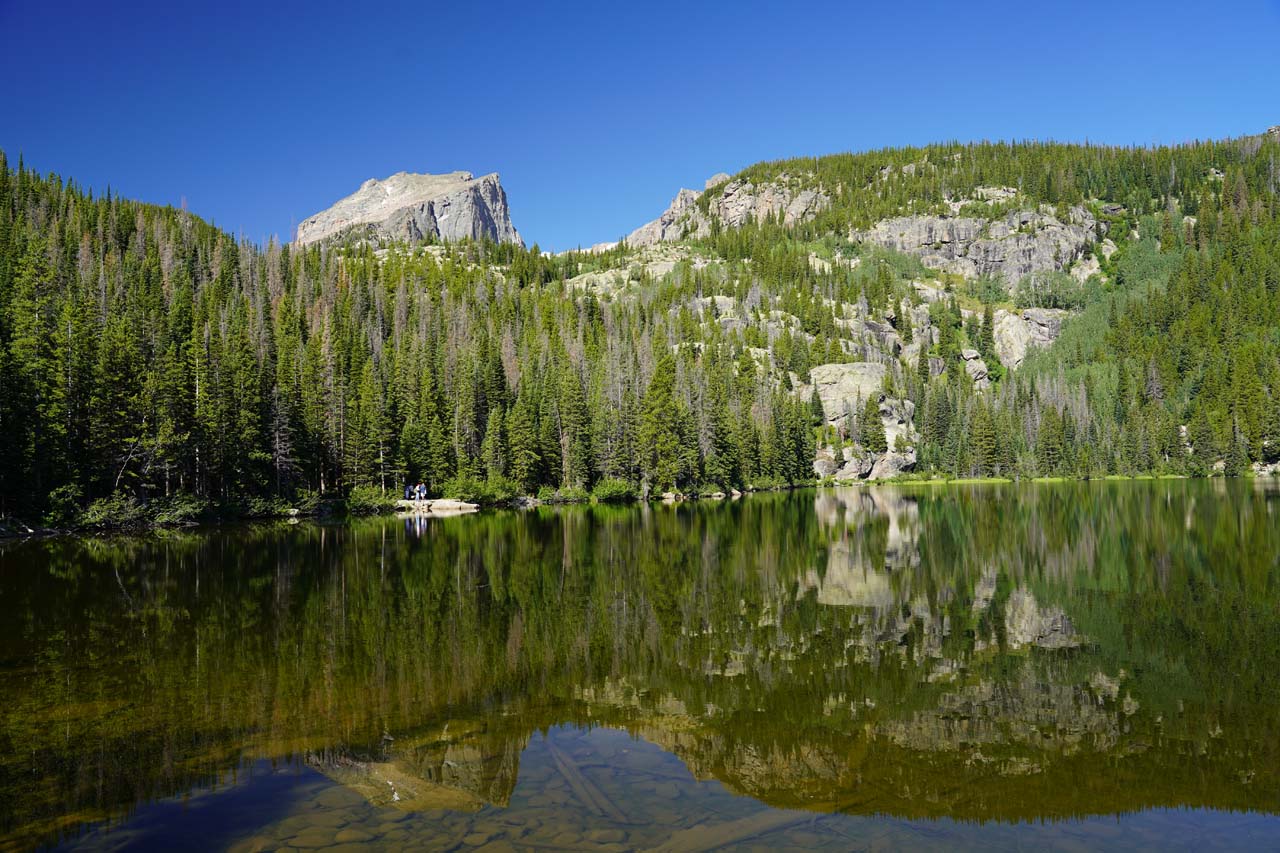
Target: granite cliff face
(1017, 332)
(672, 224)
(1018, 244)
(736, 202)
(414, 207)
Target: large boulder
(976, 368)
(413, 207)
(856, 466)
(892, 464)
(898, 417)
(1085, 268)
(825, 463)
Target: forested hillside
(148, 355)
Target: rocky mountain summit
(415, 207)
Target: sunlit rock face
(1016, 333)
(1018, 244)
(736, 202)
(842, 388)
(675, 222)
(414, 207)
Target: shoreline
(14, 529)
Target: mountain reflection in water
(971, 654)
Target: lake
(1066, 666)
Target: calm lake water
(1059, 666)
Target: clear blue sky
(594, 114)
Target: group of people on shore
(415, 493)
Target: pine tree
(494, 447)
(872, 427)
(661, 422)
(983, 441)
(523, 445)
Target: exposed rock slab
(679, 217)
(415, 207)
(976, 368)
(844, 387)
(736, 202)
(1017, 332)
(1019, 244)
(892, 464)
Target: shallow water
(1059, 666)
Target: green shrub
(118, 510)
(613, 490)
(987, 289)
(567, 495)
(64, 505)
(306, 502)
(369, 500)
(259, 507)
(501, 489)
(464, 487)
(180, 509)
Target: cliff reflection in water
(994, 652)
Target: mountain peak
(414, 207)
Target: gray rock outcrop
(413, 207)
(742, 200)
(898, 418)
(736, 202)
(976, 368)
(856, 466)
(678, 218)
(1017, 332)
(843, 387)
(1018, 244)
(824, 462)
(892, 464)
(863, 466)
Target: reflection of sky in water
(840, 668)
(603, 789)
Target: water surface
(1065, 666)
